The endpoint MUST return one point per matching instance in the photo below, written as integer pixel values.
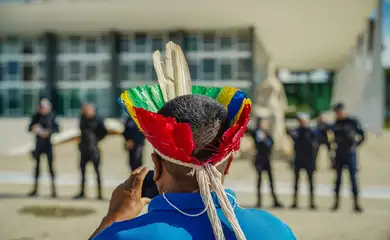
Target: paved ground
(19, 224)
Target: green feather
(147, 97)
(211, 92)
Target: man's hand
(130, 144)
(35, 128)
(126, 201)
(44, 134)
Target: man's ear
(157, 166)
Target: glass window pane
(140, 67)
(29, 104)
(244, 68)
(194, 68)
(226, 42)
(74, 44)
(74, 67)
(60, 72)
(91, 45)
(124, 71)
(208, 65)
(1, 46)
(91, 72)
(11, 45)
(28, 72)
(28, 47)
(13, 68)
(14, 99)
(193, 43)
(140, 42)
(125, 45)
(226, 71)
(243, 41)
(157, 43)
(209, 41)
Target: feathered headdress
(173, 141)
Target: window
(209, 69)
(125, 45)
(140, 40)
(157, 43)
(244, 69)
(60, 72)
(193, 43)
(74, 67)
(74, 44)
(208, 65)
(243, 41)
(28, 73)
(194, 69)
(91, 72)
(124, 71)
(140, 67)
(91, 45)
(209, 40)
(226, 71)
(11, 45)
(13, 68)
(226, 43)
(28, 47)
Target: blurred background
(313, 53)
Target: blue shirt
(163, 222)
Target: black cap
(338, 107)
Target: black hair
(207, 118)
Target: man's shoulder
(142, 227)
(272, 227)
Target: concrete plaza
(19, 224)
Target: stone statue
(271, 102)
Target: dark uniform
(264, 144)
(305, 145)
(321, 132)
(345, 132)
(92, 131)
(43, 146)
(132, 133)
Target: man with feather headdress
(194, 131)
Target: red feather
(175, 140)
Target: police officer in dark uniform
(43, 124)
(348, 135)
(92, 131)
(262, 162)
(305, 145)
(322, 130)
(134, 143)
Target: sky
(386, 34)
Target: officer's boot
(34, 192)
(53, 189)
(99, 192)
(335, 206)
(295, 201)
(357, 207)
(81, 194)
(258, 204)
(313, 206)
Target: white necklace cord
(235, 204)
(182, 212)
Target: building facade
(70, 69)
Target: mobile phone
(149, 187)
